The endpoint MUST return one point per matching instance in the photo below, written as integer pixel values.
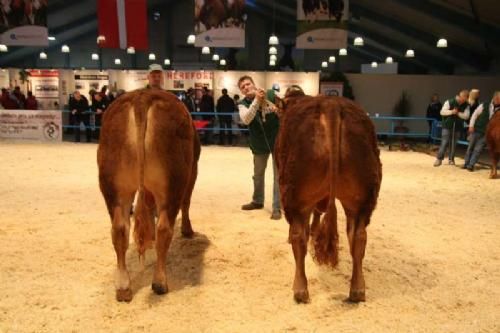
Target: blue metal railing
(435, 133)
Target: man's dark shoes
(252, 205)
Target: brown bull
(493, 140)
(327, 149)
(148, 145)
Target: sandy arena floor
(432, 262)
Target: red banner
(123, 23)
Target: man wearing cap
(155, 77)
(263, 125)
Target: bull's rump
(304, 149)
(167, 141)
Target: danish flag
(123, 23)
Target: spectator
(189, 101)
(433, 112)
(477, 129)
(473, 104)
(225, 104)
(454, 112)
(155, 77)
(9, 102)
(98, 107)
(19, 96)
(263, 125)
(31, 102)
(79, 107)
(207, 106)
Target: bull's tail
(325, 237)
(143, 217)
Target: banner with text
(31, 125)
(23, 23)
(322, 24)
(183, 80)
(219, 23)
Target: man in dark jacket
(207, 105)
(79, 108)
(225, 105)
(99, 105)
(433, 111)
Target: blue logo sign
(208, 38)
(13, 36)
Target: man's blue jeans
(446, 138)
(476, 144)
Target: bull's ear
(280, 105)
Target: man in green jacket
(263, 125)
(454, 112)
(477, 129)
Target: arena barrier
(387, 125)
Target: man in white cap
(155, 77)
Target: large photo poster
(44, 84)
(322, 24)
(88, 80)
(23, 22)
(220, 23)
(281, 81)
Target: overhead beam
(464, 55)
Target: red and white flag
(123, 23)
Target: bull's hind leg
(494, 162)
(120, 235)
(164, 233)
(298, 236)
(186, 229)
(356, 232)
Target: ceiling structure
(389, 27)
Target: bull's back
(305, 148)
(167, 139)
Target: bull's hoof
(357, 296)
(493, 176)
(124, 295)
(187, 233)
(159, 289)
(301, 296)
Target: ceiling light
(442, 43)
(273, 40)
(191, 39)
(358, 41)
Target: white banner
(183, 80)
(23, 23)
(220, 23)
(31, 125)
